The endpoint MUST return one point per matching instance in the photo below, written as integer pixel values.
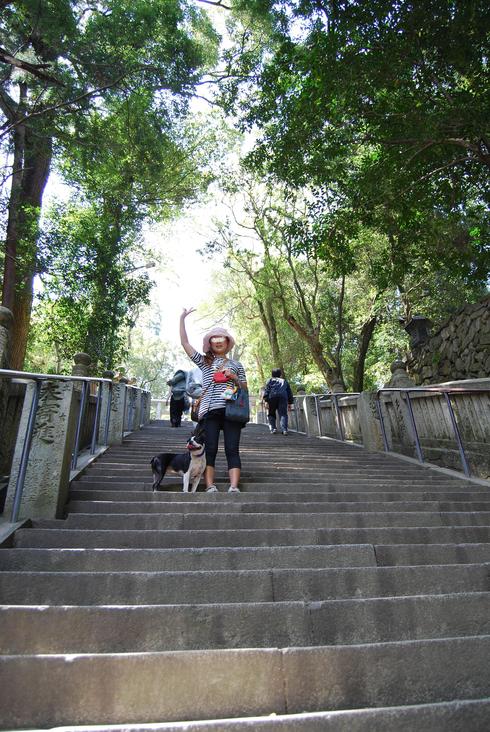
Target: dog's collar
(198, 454)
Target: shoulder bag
(238, 409)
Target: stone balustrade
(62, 423)
(356, 418)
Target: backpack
(178, 384)
(275, 388)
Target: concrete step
(297, 472)
(172, 483)
(141, 687)
(239, 520)
(273, 585)
(454, 716)
(237, 558)
(250, 537)
(216, 499)
(285, 474)
(148, 628)
(232, 506)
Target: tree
(76, 57)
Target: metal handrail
(28, 376)
(445, 391)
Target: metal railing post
(418, 447)
(382, 422)
(334, 398)
(83, 399)
(296, 409)
(108, 414)
(462, 454)
(93, 443)
(318, 420)
(26, 447)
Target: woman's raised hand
(187, 311)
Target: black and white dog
(190, 464)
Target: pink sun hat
(206, 345)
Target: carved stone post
(105, 401)
(311, 419)
(81, 365)
(48, 470)
(146, 406)
(399, 377)
(137, 395)
(369, 421)
(116, 419)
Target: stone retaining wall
(460, 349)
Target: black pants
(278, 404)
(214, 422)
(176, 409)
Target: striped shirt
(213, 392)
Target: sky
(185, 278)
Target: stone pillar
(147, 406)
(399, 378)
(369, 422)
(116, 419)
(106, 392)
(81, 365)
(311, 419)
(48, 470)
(137, 396)
(6, 321)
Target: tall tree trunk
(269, 322)
(337, 375)
(12, 234)
(367, 331)
(326, 365)
(37, 161)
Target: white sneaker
(273, 432)
(233, 489)
(284, 432)
(212, 489)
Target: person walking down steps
(179, 402)
(221, 376)
(278, 395)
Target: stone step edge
(352, 601)
(270, 570)
(328, 721)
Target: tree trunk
(367, 331)
(316, 349)
(269, 322)
(12, 234)
(37, 160)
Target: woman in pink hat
(220, 375)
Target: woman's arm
(240, 379)
(190, 350)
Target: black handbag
(238, 410)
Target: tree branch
(61, 105)
(216, 3)
(34, 69)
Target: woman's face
(219, 345)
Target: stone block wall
(459, 349)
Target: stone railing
(448, 426)
(62, 427)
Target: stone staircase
(341, 590)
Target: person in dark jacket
(278, 395)
(179, 401)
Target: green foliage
(89, 290)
